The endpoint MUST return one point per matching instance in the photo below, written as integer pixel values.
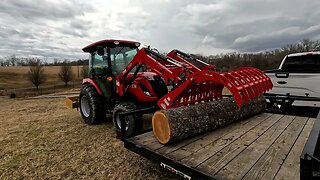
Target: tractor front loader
(195, 63)
(124, 78)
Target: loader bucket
(244, 84)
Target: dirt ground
(41, 138)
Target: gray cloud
(42, 9)
(251, 26)
(256, 42)
(42, 27)
(80, 24)
(60, 28)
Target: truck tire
(91, 105)
(133, 122)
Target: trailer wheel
(133, 122)
(91, 105)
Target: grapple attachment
(244, 84)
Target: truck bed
(264, 146)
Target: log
(176, 124)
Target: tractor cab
(108, 58)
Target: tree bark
(183, 122)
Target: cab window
(121, 57)
(306, 63)
(99, 64)
(99, 61)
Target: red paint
(93, 46)
(193, 85)
(93, 83)
(198, 84)
(143, 74)
(244, 84)
(173, 54)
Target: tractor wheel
(92, 108)
(133, 122)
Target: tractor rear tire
(133, 122)
(92, 106)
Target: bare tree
(6, 62)
(316, 46)
(66, 74)
(308, 45)
(36, 73)
(12, 60)
(24, 62)
(55, 61)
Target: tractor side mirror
(100, 50)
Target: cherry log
(184, 122)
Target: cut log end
(179, 123)
(161, 128)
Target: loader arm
(155, 62)
(197, 64)
(192, 84)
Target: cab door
(100, 72)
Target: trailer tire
(91, 105)
(133, 122)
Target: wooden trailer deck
(266, 146)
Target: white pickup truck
(297, 81)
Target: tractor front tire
(133, 122)
(91, 105)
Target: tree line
(37, 76)
(14, 60)
(222, 62)
(262, 60)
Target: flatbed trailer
(266, 146)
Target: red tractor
(124, 78)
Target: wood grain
(269, 164)
(218, 142)
(225, 155)
(290, 169)
(240, 165)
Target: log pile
(183, 122)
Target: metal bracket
(122, 133)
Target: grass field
(15, 77)
(42, 139)
(14, 80)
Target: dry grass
(15, 77)
(43, 139)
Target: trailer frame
(309, 158)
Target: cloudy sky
(60, 28)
